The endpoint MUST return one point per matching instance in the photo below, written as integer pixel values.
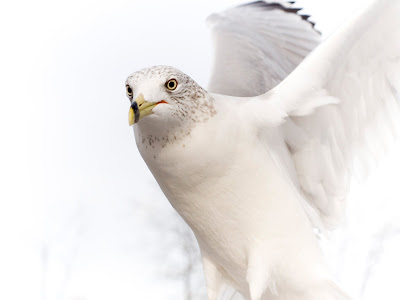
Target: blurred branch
(388, 232)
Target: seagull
(259, 164)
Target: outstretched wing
(340, 106)
(257, 45)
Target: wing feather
(257, 45)
(340, 107)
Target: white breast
(232, 199)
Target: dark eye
(129, 91)
(171, 84)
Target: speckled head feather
(185, 106)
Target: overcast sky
(75, 191)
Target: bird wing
(339, 107)
(257, 45)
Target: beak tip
(131, 117)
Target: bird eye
(171, 84)
(129, 91)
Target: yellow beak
(139, 109)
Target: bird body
(235, 224)
(254, 176)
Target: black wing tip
(276, 5)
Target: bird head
(165, 96)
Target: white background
(80, 215)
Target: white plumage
(252, 176)
(276, 36)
